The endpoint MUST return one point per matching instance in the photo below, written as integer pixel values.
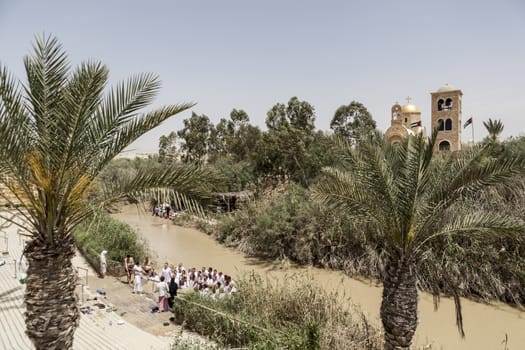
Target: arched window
(448, 124)
(444, 146)
(440, 104)
(441, 125)
(448, 103)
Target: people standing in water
(166, 272)
(129, 263)
(147, 266)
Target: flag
(467, 123)
(414, 124)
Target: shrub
(293, 313)
(103, 232)
(290, 226)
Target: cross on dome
(408, 98)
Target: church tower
(406, 120)
(446, 118)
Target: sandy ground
(133, 308)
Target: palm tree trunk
(52, 314)
(399, 305)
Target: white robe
(137, 282)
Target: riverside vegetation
(102, 232)
(276, 314)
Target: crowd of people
(162, 211)
(168, 280)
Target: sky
(253, 54)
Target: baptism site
(397, 224)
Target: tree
(403, 195)
(494, 128)
(281, 152)
(195, 137)
(353, 122)
(58, 132)
(168, 146)
(242, 137)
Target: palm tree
(58, 131)
(403, 194)
(494, 128)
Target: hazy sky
(253, 54)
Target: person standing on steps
(137, 281)
(173, 286)
(163, 289)
(129, 263)
(103, 263)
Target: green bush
(290, 226)
(103, 232)
(293, 313)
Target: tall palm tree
(58, 131)
(403, 194)
(494, 128)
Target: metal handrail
(81, 284)
(86, 270)
(6, 240)
(23, 236)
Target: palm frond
(132, 130)
(47, 72)
(479, 223)
(15, 131)
(460, 176)
(369, 177)
(82, 97)
(122, 104)
(187, 186)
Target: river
(486, 326)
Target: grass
(105, 233)
(293, 313)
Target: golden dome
(410, 108)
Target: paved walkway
(95, 330)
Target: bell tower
(446, 118)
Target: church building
(445, 117)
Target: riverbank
(100, 328)
(486, 326)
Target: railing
(114, 268)
(82, 284)
(23, 237)
(6, 242)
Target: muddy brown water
(486, 326)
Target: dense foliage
(293, 313)
(289, 150)
(102, 232)
(292, 227)
(288, 225)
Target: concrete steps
(94, 331)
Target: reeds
(289, 313)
